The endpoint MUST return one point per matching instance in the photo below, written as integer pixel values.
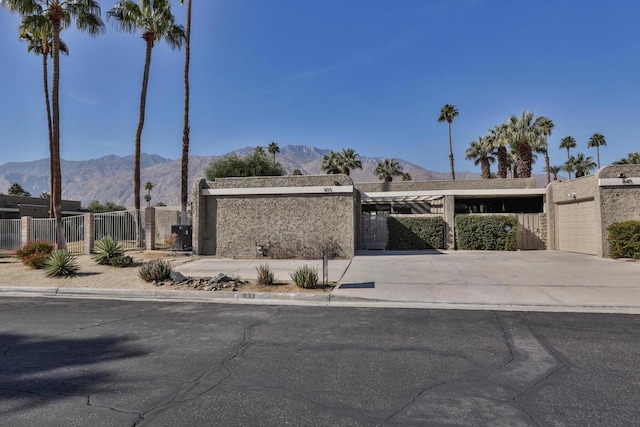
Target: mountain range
(110, 178)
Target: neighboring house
(15, 207)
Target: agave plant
(60, 264)
(155, 271)
(106, 250)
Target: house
(15, 207)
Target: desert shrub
(414, 232)
(35, 253)
(624, 239)
(60, 264)
(156, 270)
(265, 275)
(486, 232)
(106, 249)
(305, 277)
(121, 261)
(301, 251)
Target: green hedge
(624, 239)
(411, 232)
(486, 232)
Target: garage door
(577, 227)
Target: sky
(367, 74)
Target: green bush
(265, 275)
(35, 253)
(60, 264)
(305, 277)
(412, 232)
(107, 249)
(156, 270)
(121, 261)
(486, 232)
(624, 239)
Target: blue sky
(366, 74)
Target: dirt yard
(91, 275)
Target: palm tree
(498, 141)
(331, 163)
(568, 142)
(348, 160)
(555, 170)
(186, 129)
(86, 14)
(273, 148)
(147, 198)
(387, 169)
(448, 113)
(524, 136)
(481, 151)
(296, 171)
(631, 159)
(546, 126)
(582, 165)
(36, 31)
(156, 22)
(259, 150)
(597, 140)
(406, 176)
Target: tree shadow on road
(36, 369)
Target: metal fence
(127, 227)
(9, 234)
(45, 229)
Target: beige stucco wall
(465, 184)
(235, 225)
(612, 204)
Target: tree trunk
(56, 191)
(598, 154)
(523, 160)
(502, 162)
(453, 172)
(568, 158)
(546, 162)
(45, 80)
(143, 102)
(486, 168)
(184, 187)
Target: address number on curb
(248, 295)
(328, 190)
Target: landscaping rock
(178, 277)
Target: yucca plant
(107, 249)
(60, 264)
(121, 261)
(265, 275)
(305, 277)
(156, 270)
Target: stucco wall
(465, 184)
(234, 225)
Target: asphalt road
(115, 363)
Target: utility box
(183, 242)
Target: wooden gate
(529, 235)
(374, 226)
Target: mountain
(110, 178)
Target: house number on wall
(248, 295)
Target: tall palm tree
(568, 142)
(597, 140)
(546, 126)
(259, 150)
(36, 31)
(273, 148)
(387, 169)
(61, 13)
(631, 159)
(525, 136)
(447, 114)
(555, 170)
(331, 163)
(155, 21)
(148, 186)
(348, 160)
(186, 129)
(582, 165)
(497, 139)
(481, 151)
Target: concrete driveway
(513, 280)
